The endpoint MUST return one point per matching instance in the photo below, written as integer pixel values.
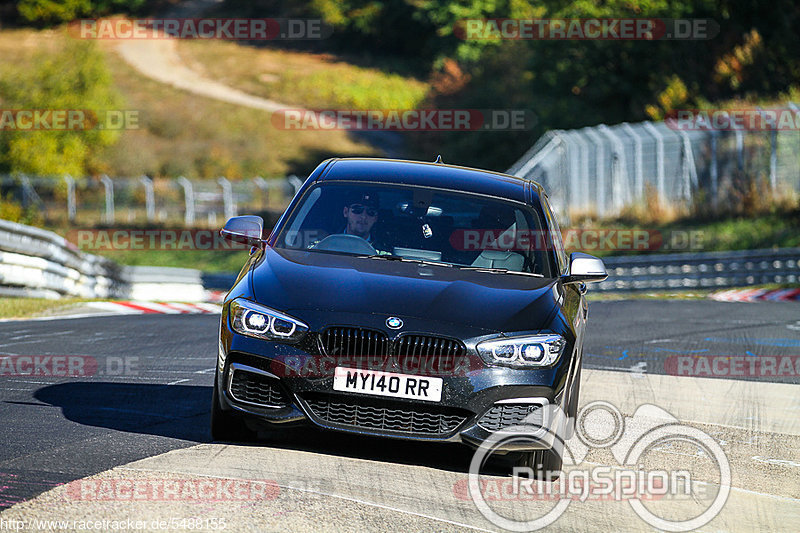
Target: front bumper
(274, 384)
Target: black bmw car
(404, 299)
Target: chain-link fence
(603, 169)
(103, 200)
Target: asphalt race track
(140, 412)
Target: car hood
(292, 280)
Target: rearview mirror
(245, 229)
(584, 268)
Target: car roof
(433, 175)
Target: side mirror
(584, 268)
(245, 229)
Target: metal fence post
(262, 184)
(109, 187)
(188, 198)
(659, 158)
(796, 109)
(227, 197)
(739, 145)
(574, 164)
(72, 207)
(688, 169)
(600, 171)
(149, 198)
(714, 168)
(638, 165)
(618, 168)
(584, 161)
(295, 182)
(773, 154)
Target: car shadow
(174, 411)
(182, 412)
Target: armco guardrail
(38, 263)
(702, 270)
(35, 262)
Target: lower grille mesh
(505, 415)
(257, 389)
(388, 416)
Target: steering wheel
(341, 242)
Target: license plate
(387, 384)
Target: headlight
(262, 322)
(521, 352)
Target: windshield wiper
(501, 271)
(392, 257)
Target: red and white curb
(163, 308)
(757, 295)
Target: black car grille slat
(257, 389)
(507, 415)
(428, 346)
(355, 342)
(380, 415)
(358, 342)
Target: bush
(47, 12)
(73, 79)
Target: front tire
(225, 426)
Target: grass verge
(31, 307)
(779, 229)
(301, 78)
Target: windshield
(419, 224)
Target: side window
(555, 234)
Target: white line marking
(177, 381)
(781, 462)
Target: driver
(360, 213)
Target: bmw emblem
(394, 323)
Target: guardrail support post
(72, 206)
(188, 197)
(109, 187)
(149, 198)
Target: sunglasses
(357, 209)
